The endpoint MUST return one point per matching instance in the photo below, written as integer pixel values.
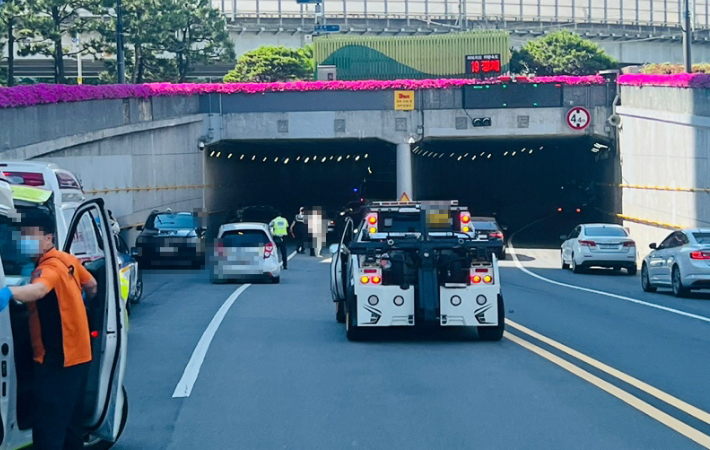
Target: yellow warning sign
(404, 198)
(404, 100)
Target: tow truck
(416, 264)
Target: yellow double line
(646, 408)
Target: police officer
(298, 230)
(59, 329)
(279, 228)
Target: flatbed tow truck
(416, 264)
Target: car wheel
(494, 333)
(502, 255)
(96, 443)
(678, 289)
(565, 266)
(340, 314)
(352, 331)
(646, 280)
(632, 270)
(139, 290)
(574, 266)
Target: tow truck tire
(100, 444)
(494, 333)
(340, 314)
(352, 331)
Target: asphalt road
(279, 373)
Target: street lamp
(120, 63)
(687, 37)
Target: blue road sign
(326, 29)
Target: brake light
(488, 279)
(587, 243)
(496, 235)
(465, 219)
(629, 244)
(376, 280)
(373, 276)
(579, 210)
(700, 255)
(476, 279)
(559, 209)
(268, 250)
(220, 249)
(364, 279)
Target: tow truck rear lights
(376, 280)
(370, 270)
(587, 243)
(481, 270)
(268, 249)
(372, 220)
(94, 334)
(364, 279)
(488, 279)
(700, 255)
(476, 279)
(372, 223)
(465, 217)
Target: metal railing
(653, 13)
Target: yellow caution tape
(670, 226)
(657, 188)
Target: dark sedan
(487, 228)
(171, 239)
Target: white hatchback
(599, 245)
(681, 262)
(245, 251)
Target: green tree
(269, 63)
(165, 39)
(11, 20)
(48, 22)
(561, 53)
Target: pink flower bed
(678, 80)
(50, 93)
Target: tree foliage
(561, 53)
(48, 23)
(270, 64)
(165, 39)
(668, 68)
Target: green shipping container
(414, 57)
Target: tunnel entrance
(290, 174)
(562, 182)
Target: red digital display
(483, 64)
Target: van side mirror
(653, 246)
(504, 227)
(134, 252)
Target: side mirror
(333, 249)
(134, 252)
(139, 228)
(563, 237)
(504, 227)
(653, 246)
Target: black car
(354, 210)
(487, 228)
(260, 214)
(171, 239)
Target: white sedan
(681, 262)
(599, 245)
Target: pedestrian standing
(59, 329)
(299, 231)
(316, 230)
(279, 229)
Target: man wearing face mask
(59, 329)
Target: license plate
(608, 247)
(168, 250)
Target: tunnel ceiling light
(541, 148)
(241, 157)
(369, 170)
(465, 155)
(305, 161)
(489, 155)
(331, 158)
(416, 149)
(212, 154)
(474, 158)
(347, 157)
(531, 150)
(483, 153)
(513, 154)
(357, 158)
(265, 158)
(459, 158)
(505, 154)
(324, 159)
(451, 155)
(367, 155)
(340, 158)
(230, 156)
(523, 150)
(441, 156)
(286, 161)
(298, 158)
(276, 159)
(253, 158)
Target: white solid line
(595, 291)
(192, 370)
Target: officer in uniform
(279, 228)
(298, 230)
(59, 328)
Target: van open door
(106, 405)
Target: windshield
(13, 263)
(702, 238)
(167, 221)
(244, 238)
(605, 232)
(485, 226)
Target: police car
(106, 402)
(416, 264)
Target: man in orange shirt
(59, 328)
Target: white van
(68, 192)
(90, 239)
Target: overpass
(633, 31)
(219, 150)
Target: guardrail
(656, 188)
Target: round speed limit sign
(578, 118)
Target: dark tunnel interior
(520, 181)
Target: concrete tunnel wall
(119, 146)
(665, 142)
